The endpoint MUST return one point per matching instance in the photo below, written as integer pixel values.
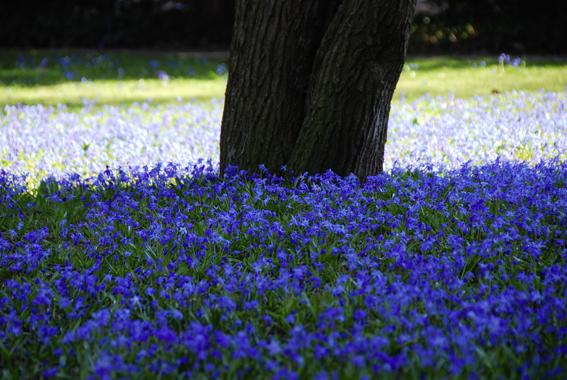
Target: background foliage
(114, 23)
(491, 26)
(465, 26)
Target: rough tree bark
(311, 82)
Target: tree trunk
(311, 82)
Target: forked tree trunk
(311, 82)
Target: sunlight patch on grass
(442, 75)
(115, 93)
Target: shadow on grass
(39, 67)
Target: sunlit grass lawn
(101, 78)
(441, 75)
(74, 95)
(116, 78)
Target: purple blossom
(438, 265)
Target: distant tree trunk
(310, 84)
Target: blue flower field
(125, 254)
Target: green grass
(191, 78)
(139, 81)
(441, 75)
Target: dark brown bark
(273, 48)
(311, 83)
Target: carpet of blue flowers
(450, 264)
